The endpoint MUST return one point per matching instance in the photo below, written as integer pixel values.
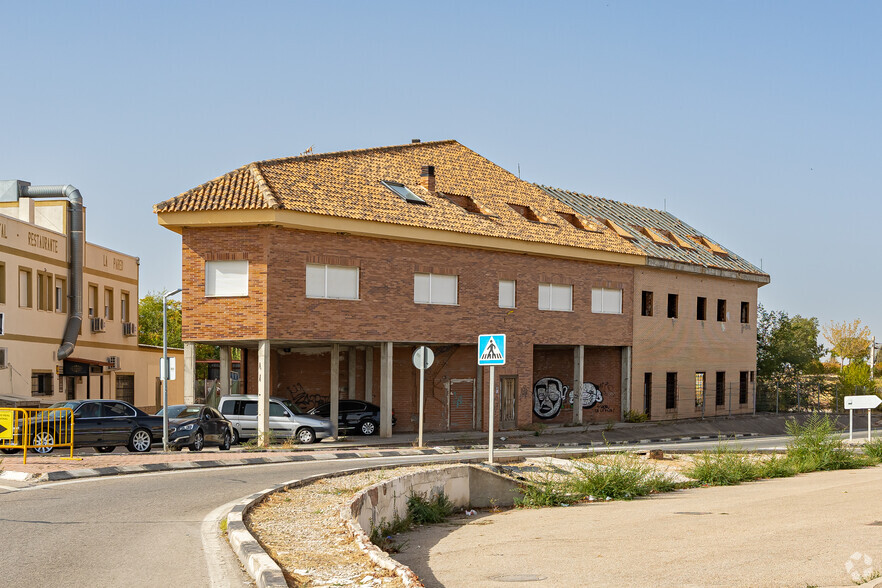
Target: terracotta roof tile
(347, 184)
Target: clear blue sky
(756, 122)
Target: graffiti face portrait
(591, 395)
(548, 396)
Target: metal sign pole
(869, 424)
(164, 367)
(850, 424)
(492, 412)
(422, 386)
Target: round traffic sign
(423, 358)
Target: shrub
(427, 512)
(816, 445)
(633, 416)
(873, 449)
(724, 467)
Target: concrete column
(225, 366)
(189, 372)
(578, 376)
(386, 389)
(369, 374)
(335, 389)
(626, 380)
(263, 392)
(350, 390)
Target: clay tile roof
(347, 184)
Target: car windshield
(64, 405)
(183, 412)
(292, 407)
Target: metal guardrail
(39, 429)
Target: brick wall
(685, 345)
(553, 371)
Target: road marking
(10, 488)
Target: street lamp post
(164, 370)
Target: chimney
(427, 177)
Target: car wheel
(225, 444)
(140, 441)
(367, 427)
(44, 442)
(306, 435)
(9, 450)
(236, 438)
(105, 448)
(198, 442)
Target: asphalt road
(161, 529)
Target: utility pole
(165, 370)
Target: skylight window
(403, 191)
(467, 203)
(573, 220)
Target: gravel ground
(302, 530)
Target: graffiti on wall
(303, 399)
(549, 394)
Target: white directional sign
(491, 350)
(169, 371)
(866, 402)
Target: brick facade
(686, 345)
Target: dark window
(70, 387)
(125, 388)
(742, 389)
(721, 388)
(277, 410)
(88, 410)
(745, 312)
(672, 305)
(647, 393)
(646, 303)
(701, 310)
(249, 408)
(699, 389)
(41, 384)
(721, 311)
(349, 405)
(671, 391)
(117, 409)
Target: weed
(223, 525)
(544, 490)
(381, 535)
(634, 416)
(816, 446)
(428, 512)
(610, 425)
(871, 576)
(724, 467)
(873, 449)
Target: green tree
(786, 344)
(855, 379)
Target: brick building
(328, 270)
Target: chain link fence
(805, 393)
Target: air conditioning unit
(129, 329)
(2, 322)
(113, 360)
(4, 353)
(97, 325)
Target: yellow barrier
(40, 429)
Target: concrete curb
(342, 454)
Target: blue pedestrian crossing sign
(491, 350)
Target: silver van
(285, 419)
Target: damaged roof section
(666, 240)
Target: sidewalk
(52, 467)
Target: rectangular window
(646, 304)
(671, 391)
(647, 393)
(606, 300)
(226, 278)
(745, 312)
(331, 281)
(507, 290)
(125, 388)
(25, 288)
(44, 291)
(699, 389)
(555, 297)
(742, 388)
(93, 300)
(60, 294)
(721, 311)
(41, 384)
(435, 289)
(124, 307)
(2, 283)
(721, 388)
(701, 309)
(108, 304)
(673, 305)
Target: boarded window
(507, 290)
(331, 281)
(555, 297)
(606, 300)
(435, 289)
(226, 278)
